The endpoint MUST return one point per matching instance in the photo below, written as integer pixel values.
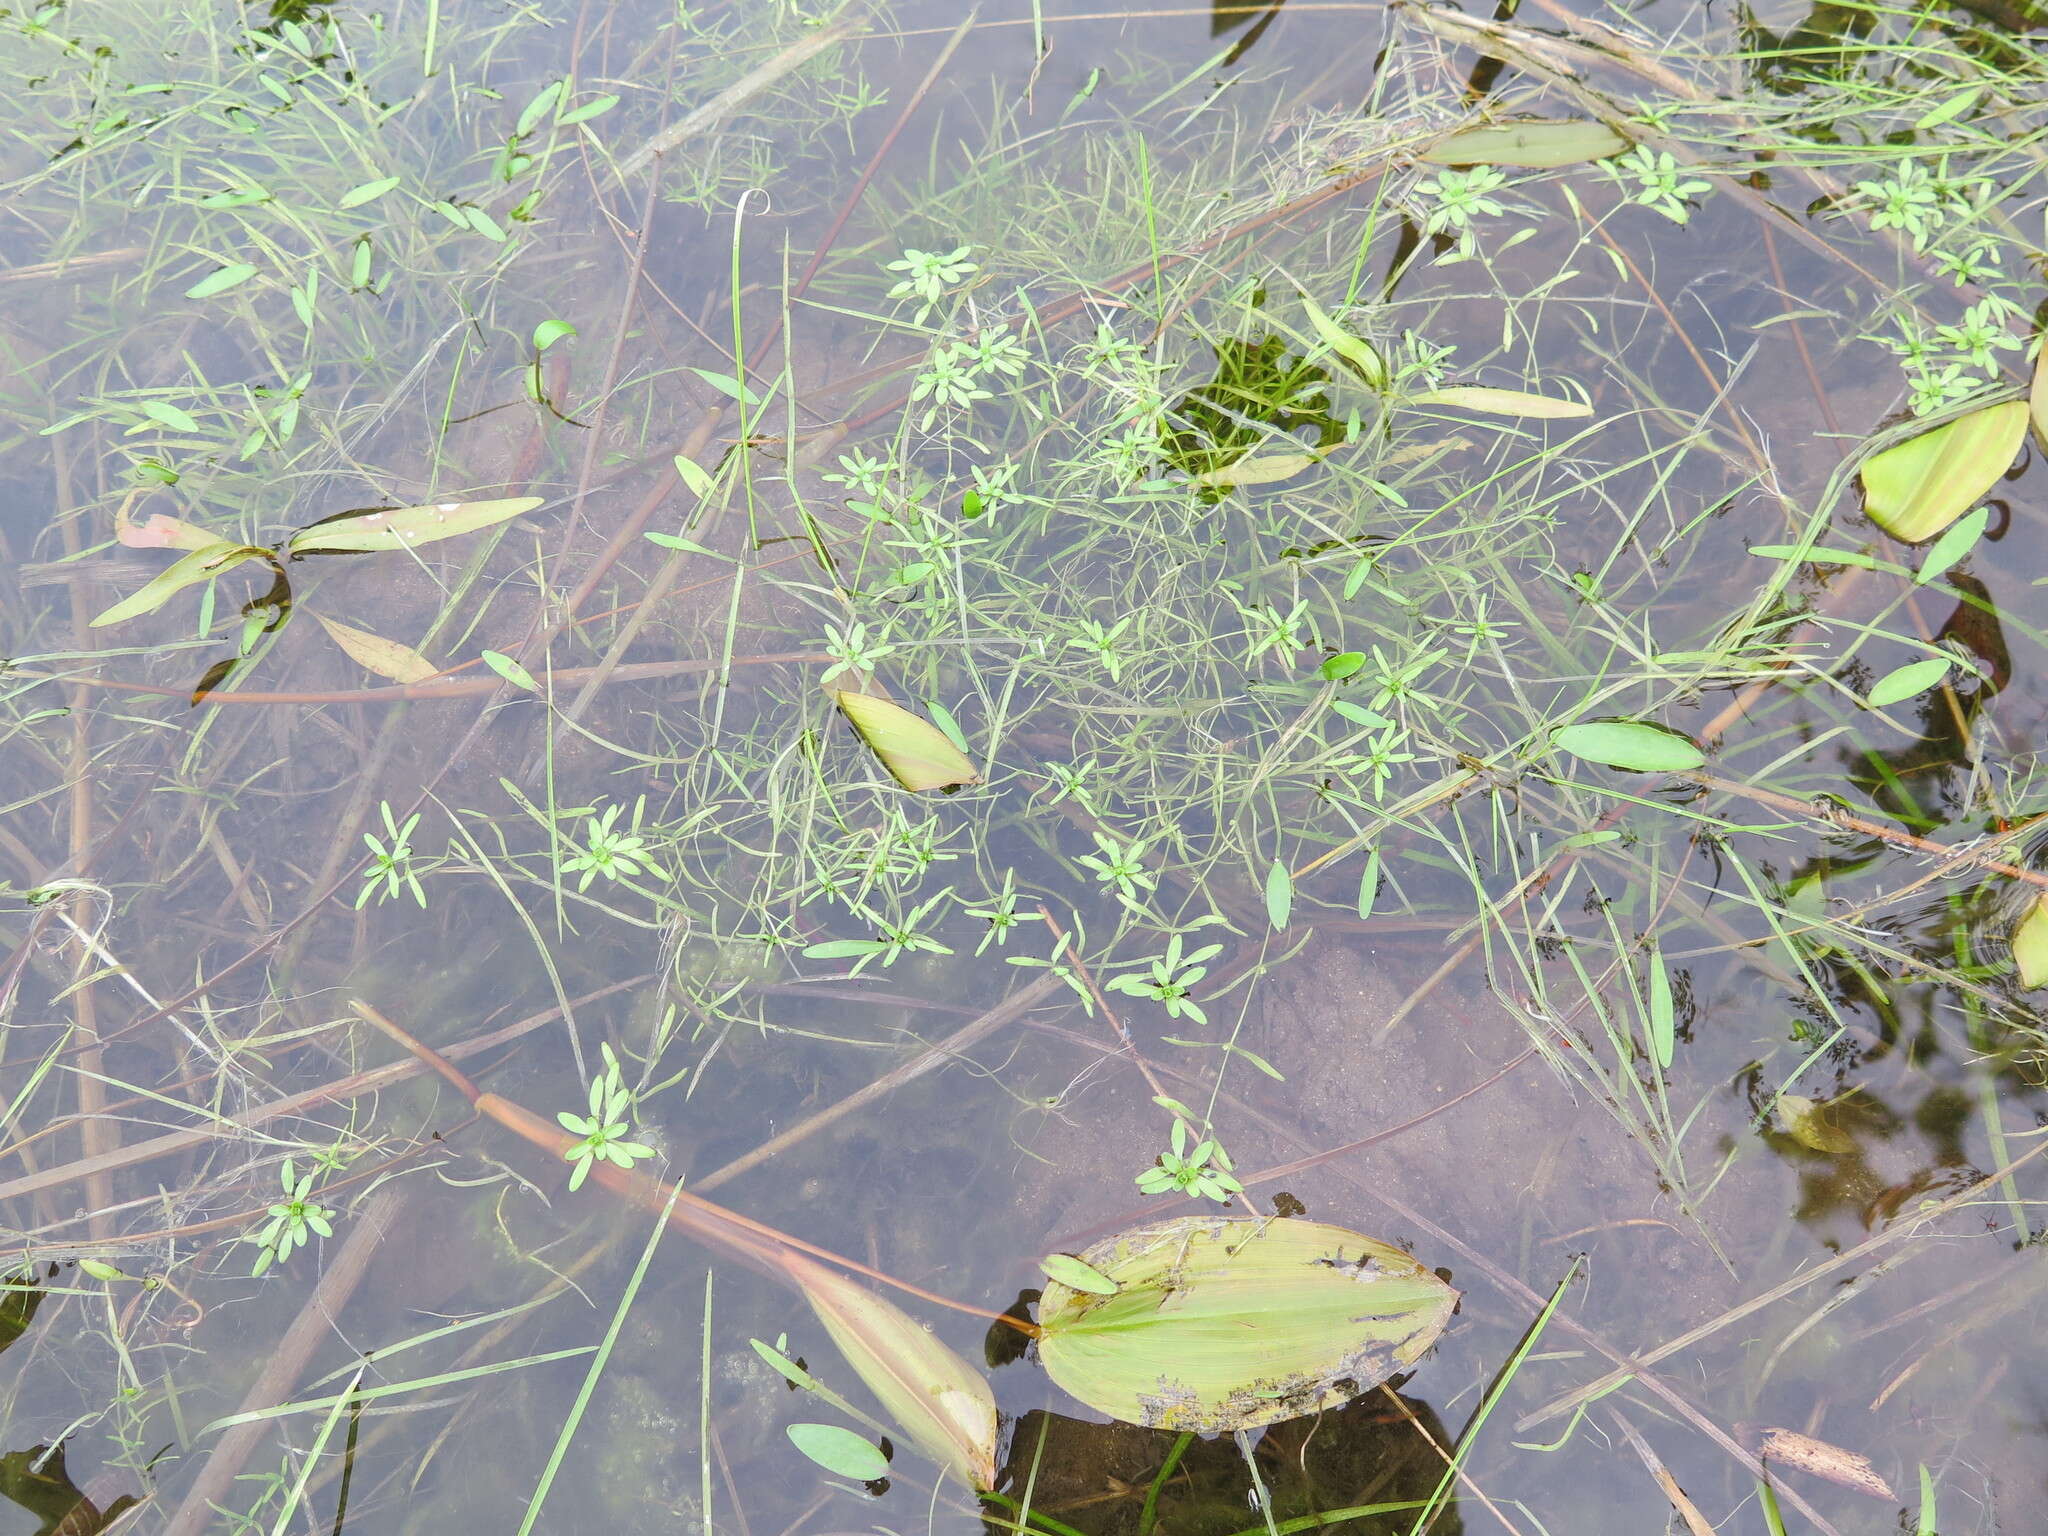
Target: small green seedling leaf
(1336, 668)
(726, 384)
(199, 566)
(1369, 884)
(166, 414)
(1663, 1016)
(787, 1368)
(1632, 744)
(1358, 714)
(597, 106)
(221, 280)
(539, 108)
(548, 332)
(1537, 144)
(1362, 355)
(510, 670)
(368, 192)
(1953, 546)
(1902, 683)
(404, 527)
(916, 752)
(694, 477)
(1076, 1274)
(99, 1269)
(942, 717)
(1503, 402)
(1279, 894)
(1915, 489)
(2030, 945)
(840, 1451)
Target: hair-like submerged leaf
(1227, 1323)
(938, 1400)
(916, 752)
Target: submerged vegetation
(1050, 643)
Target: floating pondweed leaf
(1077, 1276)
(386, 658)
(363, 532)
(1221, 1323)
(1915, 489)
(938, 1399)
(1503, 402)
(1540, 144)
(199, 566)
(1631, 744)
(2030, 945)
(1909, 681)
(916, 752)
(840, 1451)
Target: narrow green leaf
(405, 527)
(510, 670)
(483, 224)
(221, 280)
(1359, 353)
(359, 264)
(368, 192)
(1279, 894)
(1909, 681)
(200, 565)
(1369, 884)
(1915, 489)
(1076, 1274)
(169, 415)
(1926, 1525)
(1953, 546)
(539, 108)
(840, 1451)
(843, 949)
(597, 106)
(1632, 744)
(694, 477)
(1818, 556)
(1358, 714)
(2030, 945)
(1951, 109)
(1663, 1017)
(942, 717)
(726, 384)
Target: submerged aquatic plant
(604, 1130)
(294, 1221)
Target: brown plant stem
(763, 1247)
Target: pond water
(545, 412)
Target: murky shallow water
(1523, 565)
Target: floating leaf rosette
(1221, 1323)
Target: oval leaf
(1540, 144)
(1953, 546)
(1503, 402)
(368, 192)
(201, 565)
(1915, 489)
(1261, 469)
(1279, 895)
(1077, 1276)
(941, 1402)
(1902, 683)
(386, 658)
(840, 1451)
(2030, 945)
(404, 527)
(509, 670)
(1663, 1015)
(221, 280)
(1631, 744)
(915, 751)
(1223, 1323)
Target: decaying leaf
(161, 531)
(1915, 489)
(915, 751)
(200, 565)
(404, 527)
(2037, 397)
(1540, 144)
(1503, 402)
(1810, 1124)
(1259, 469)
(2030, 945)
(1849, 1469)
(1221, 1323)
(386, 658)
(938, 1399)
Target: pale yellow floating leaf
(386, 658)
(1539, 144)
(936, 1398)
(1915, 489)
(1259, 469)
(1503, 402)
(2030, 945)
(200, 565)
(1222, 1323)
(404, 527)
(1808, 1123)
(915, 751)
(2037, 397)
